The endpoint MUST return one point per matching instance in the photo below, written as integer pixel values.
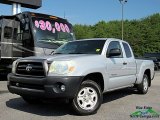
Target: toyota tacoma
(81, 71)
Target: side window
(0, 32)
(115, 45)
(0, 29)
(8, 32)
(15, 34)
(127, 50)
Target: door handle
(124, 63)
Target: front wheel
(88, 99)
(143, 87)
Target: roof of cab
(102, 39)
(33, 14)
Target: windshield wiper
(76, 53)
(57, 53)
(46, 40)
(51, 41)
(57, 42)
(68, 53)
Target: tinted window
(82, 47)
(15, 34)
(8, 32)
(127, 50)
(0, 32)
(114, 45)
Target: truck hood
(59, 57)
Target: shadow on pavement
(4, 91)
(114, 95)
(59, 108)
(42, 109)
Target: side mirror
(26, 26)
(18, 36)
(52, 53)
(26, 36)
(114, 52)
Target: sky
(92, 11)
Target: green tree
(143, 35)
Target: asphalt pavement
(117, 105)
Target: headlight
(61, 67)
(14, 67)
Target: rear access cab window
(127, 50)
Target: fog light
(63, 88)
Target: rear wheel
(143, 87)
(88, 99)
(156, 67)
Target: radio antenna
(64, 14)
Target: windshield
(52, 31)
(81, 47)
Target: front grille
(30, 68)
(30, 86)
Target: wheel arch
(96, 77)
(148, 73)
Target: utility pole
(122, 3)
(64, 15)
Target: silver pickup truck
(81, 71)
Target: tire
(143, 87)
(88, 98)
(31, 100)
(156, 68)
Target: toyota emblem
(28, 68)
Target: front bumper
(44, 87)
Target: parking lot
(117, 105)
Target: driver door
(115, 67)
